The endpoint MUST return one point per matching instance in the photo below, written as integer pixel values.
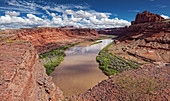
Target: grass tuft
(111, 64)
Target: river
(79, 71)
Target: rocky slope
(22, 75)
(154, 48)
(150, 82)
(150, 42)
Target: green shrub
(111, 64)
(59, 57)
(50, 66)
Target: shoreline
(111, 64)
(49, 60)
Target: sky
(79, 13)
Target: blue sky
(79, 13)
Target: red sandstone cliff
(148, 41)
(144, 22)
(145, 17)
(152, 27)
(22, 75)
(50, 38)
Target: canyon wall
(145, 22)
(51, 38)
(147, 40)
(114, 31)
(152, 27)
(22, 76)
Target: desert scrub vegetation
(6, 40)
(53, 58)
(138, 87)
(111, 64)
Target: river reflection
(79, 71)
(89, 48)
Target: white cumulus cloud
(18, 22)
(55, 15)
(165, 17)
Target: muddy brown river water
(79, 71)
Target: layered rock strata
(23, 76)
(50, 38)
(146, 17)
(148, 41)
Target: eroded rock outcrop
(22, 75)
(153, 27)
(146, 17)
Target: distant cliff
(146, 17)
(144, 22)
(50, 38)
